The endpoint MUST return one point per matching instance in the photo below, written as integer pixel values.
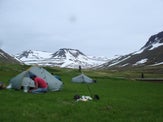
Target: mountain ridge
(149, 55)
(6, 58)
(64, 57)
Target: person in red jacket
(41, 85)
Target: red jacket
(40, 83)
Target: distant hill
(6, 58)
(151, 54)
(65, 57)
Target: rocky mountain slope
(6, 58)
(65, 57)
(151, 54)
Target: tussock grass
(121, 100)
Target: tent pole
(90, 92)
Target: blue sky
(95, 27)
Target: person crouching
(41, 85)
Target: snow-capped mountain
(30, 55)
(6, 58)
(150, 54)
(65, 57)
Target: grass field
(121, 99)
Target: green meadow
(122, 99)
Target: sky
(95, 27)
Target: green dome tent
(23, 79)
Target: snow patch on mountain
(156, 64)
(119, 61)
(33, 55)
(142, 61)
(156, 45)
(138, 52)
(2, 54)
(125, 65)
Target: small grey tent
(23, 79)
(82, 79)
